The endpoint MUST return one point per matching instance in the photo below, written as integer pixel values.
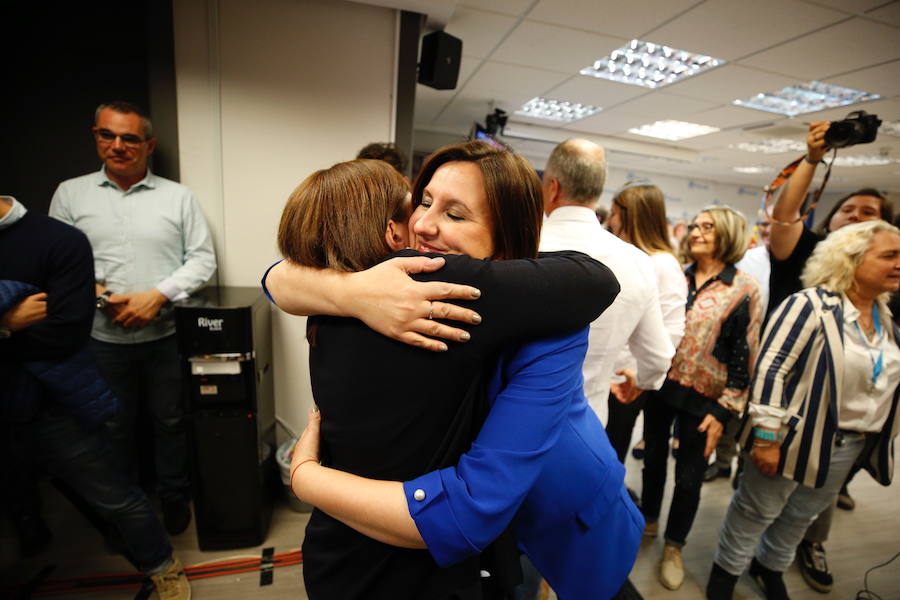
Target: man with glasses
(151, 247)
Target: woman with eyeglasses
(708, 380)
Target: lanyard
(877, 365)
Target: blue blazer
(543, 462)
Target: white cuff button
(419, 494)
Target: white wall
(269, 92)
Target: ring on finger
(430, 310)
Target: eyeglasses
(704, 227)
(129, 139)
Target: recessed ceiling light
(556, 110)
(771, 146)
(754, 170)
(673, 130)
(864, 160)
(805, 98)
(650, 65)
(891, 127)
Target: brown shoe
(172, 584)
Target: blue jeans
(81, 458)
(149, 375)
(771, 514)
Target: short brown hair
(337, 217)
(642, 210)
(387, 152)
(513, 194)
(732, 234)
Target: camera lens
(840, 134)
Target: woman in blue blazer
(541, 461)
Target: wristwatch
(103, 300)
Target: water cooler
(224, 335)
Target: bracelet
(812, 162)
(765, 434)
(300, 464)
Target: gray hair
(834, 261)
(127, 108)
(580, 167)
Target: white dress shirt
(634, 318)
(756, 262)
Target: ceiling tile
(660, 106)
(728, 83)
(854, 44)
(479, 31)
(883, 79)
(515, 8)
(731, 29)
(851, 6)
(599, 92)
(512, 84)
(888, 14)
(556, 48)
(726, 117)
(617, 19)
(607, 122)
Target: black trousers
(620, 423)
(690, 465)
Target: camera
(859, 127)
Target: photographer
(791, 244)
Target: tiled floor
(860, 539)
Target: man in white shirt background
(151, 246)
(573, 181)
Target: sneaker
(671, 569)
(714, 472)
(176, 515)
(771, 582)
(638, 450)
(721, 584)
(651, 529)
(844, 500)
(172, 584)
(814, 567)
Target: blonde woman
(824, 398)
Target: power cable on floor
(866, 593)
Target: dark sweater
(57, 259)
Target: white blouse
(864, 405)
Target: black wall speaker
(439, 66)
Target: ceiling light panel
(771, 146)
(891, 127)
(864, 160)
(673, 130)
(560, 111)
(650, 65)
(805, 98)
(754, 169)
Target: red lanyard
(782, 178)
